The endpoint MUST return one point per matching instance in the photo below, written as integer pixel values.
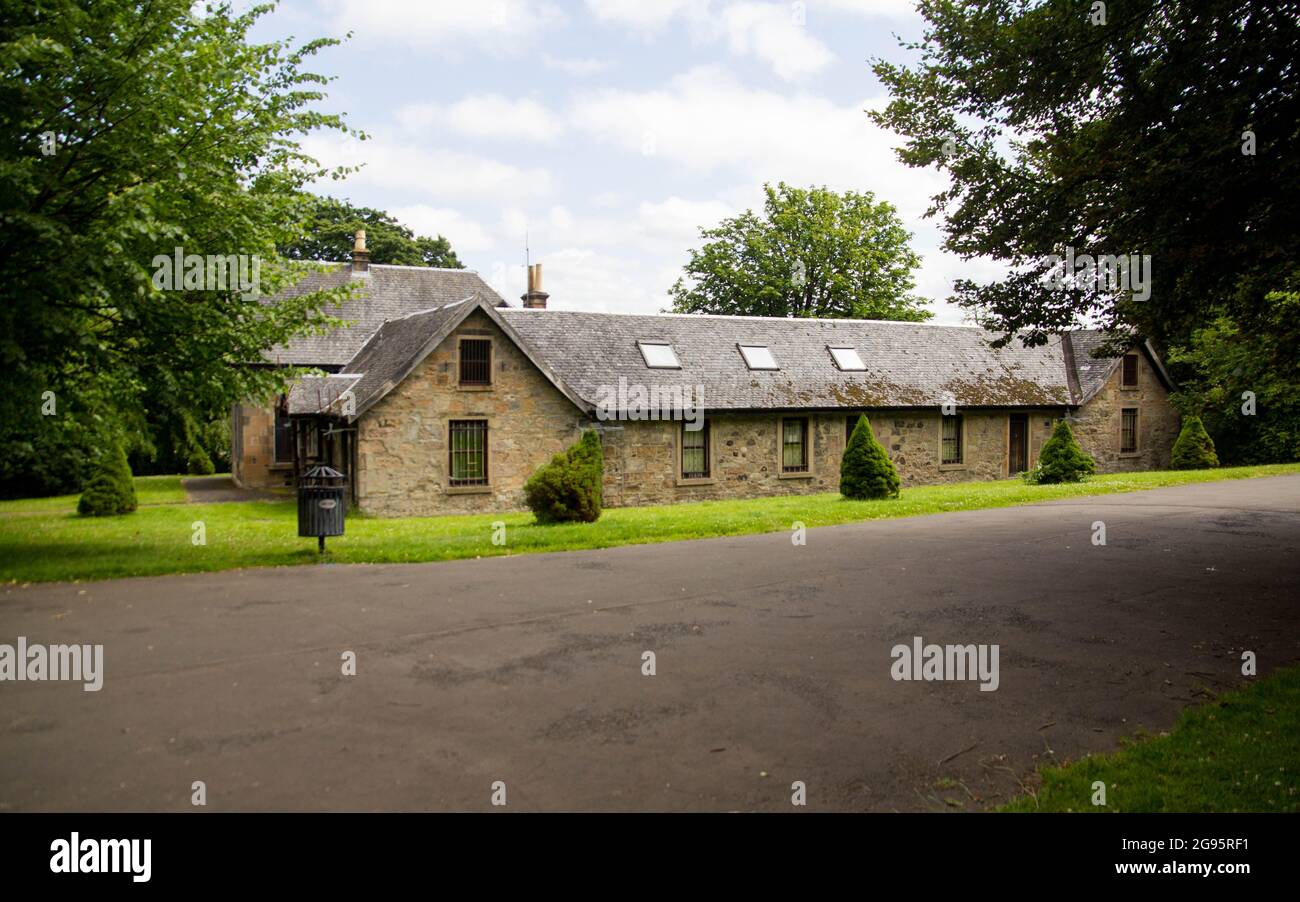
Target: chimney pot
(535, 298)
(360, 256)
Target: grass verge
(56, 544)
(1240, 752)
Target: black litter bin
(322, 502)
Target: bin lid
(322, 472)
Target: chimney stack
(535, 298)
(360, 256)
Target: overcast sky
(610, 130)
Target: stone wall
(403, 455)
(252, 459)
(641, 459)
(1100, 422)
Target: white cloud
(884, 9)
(484, 116)
(706, 121)
(436, 173)
(493, 25)
(642, 15)
(574, 65)
(466, 235)
(773, 34)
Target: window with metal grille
(468, 450)
(695, 452)
(952, 439)
(1129, 378)
(850, 423)
(475, 361)
(1128, 432)
(283, 436)
(794, 445)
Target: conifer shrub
(110, 490)
(866, 471)
(568, 489)
(1061, 460)
(1194, 449)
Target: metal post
(321, 548)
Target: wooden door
(1017, 444)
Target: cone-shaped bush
(110, 490)
(866, 470)
(1062, 460)
(198, 463)
(1194, 449)
(568, 489)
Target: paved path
(212, 489)
(771, 659)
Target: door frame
(1022, 417)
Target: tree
(568, 489)
(1245, 383)
(1193, 449)
(811, 253)
(330, 231)
(1061, 459)
(1161, 127)
(130, 133)
(866, 470)
(110, 490)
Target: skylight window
(847, 358)
(758, 357)
(658, 355)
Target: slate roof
(907, 364)
(397, 346)
(388, 292)
(319, 395)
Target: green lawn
(149, 490)
(46, 540)
(1239, 753)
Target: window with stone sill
(475, 361)
(794, 445)
(468, 453)
(1128, 433)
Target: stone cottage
(439, 404)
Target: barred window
(1129, 378)
(695, 452)
(283, 436)
(468, 452)
(1128, 433)
(475, 361)
(794, 445)
(952, 449)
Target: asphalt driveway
(772, 665)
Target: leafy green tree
(1061, 459)
(330, 230)
(866, 470)
(812, 253)
(568, 489)
(1193, 449)
(1172, 129)
(1245, 383)
(128, 131)
(110, 490)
